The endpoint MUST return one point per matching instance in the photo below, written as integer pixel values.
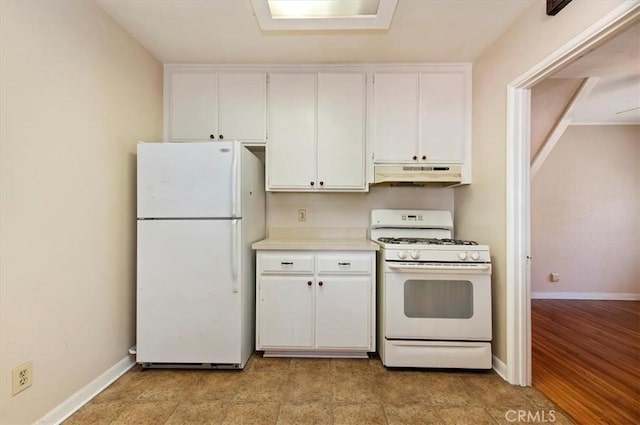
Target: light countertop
(316, 244)
(318, 239)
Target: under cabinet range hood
(418, 174)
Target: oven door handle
(475, 268)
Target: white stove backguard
(440, 219)
(409, 233)
(411, 223)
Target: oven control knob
(415, 255)
(402, 255)
(462, 255)
(475, 255)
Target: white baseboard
(620, 296)
(500, 368)
(79, 399)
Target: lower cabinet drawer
(348, 264)
(283, 264)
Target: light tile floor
(315, 391)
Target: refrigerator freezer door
(188, 311)
(188, 180)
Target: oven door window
(438, 299)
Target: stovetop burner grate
(426, 241)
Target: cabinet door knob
(221, 137)
(311, 183)
(415, 157)
(212, 136)
(309, 283)
(320, 283)
(321, 183)
(424, 157)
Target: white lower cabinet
(343, 312)
(286, 305)
(319, 308)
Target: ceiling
(227, 32)
(616, 95)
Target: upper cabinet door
(291, 155)
(242, 106)
(193, 107)
(341, 124)
(443, 116)
(216, 106)
(395, 118)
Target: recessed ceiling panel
(316, 15)
(301, 9)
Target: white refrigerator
(200, 207)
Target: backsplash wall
(351, 209)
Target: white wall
(481, 207)
(549, 101)
(351, 210)
(77, 92)
(585, 213)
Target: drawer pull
(286, 263)
(344, 264)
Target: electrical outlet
(22, 378)
(302, 215)
(554, 277)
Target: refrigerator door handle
(235, 255)
(234, 180)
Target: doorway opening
(518, 182)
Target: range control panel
(387, 218)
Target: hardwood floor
(586, 358)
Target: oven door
(437, 301)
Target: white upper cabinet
(443, 116)
(328, 126)
(341, 123)
(242, 106)
(422, 117)
(193, 106)
(291, 156)
(395, 121)
(316, 132)
(203, 105)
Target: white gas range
(434, 292)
